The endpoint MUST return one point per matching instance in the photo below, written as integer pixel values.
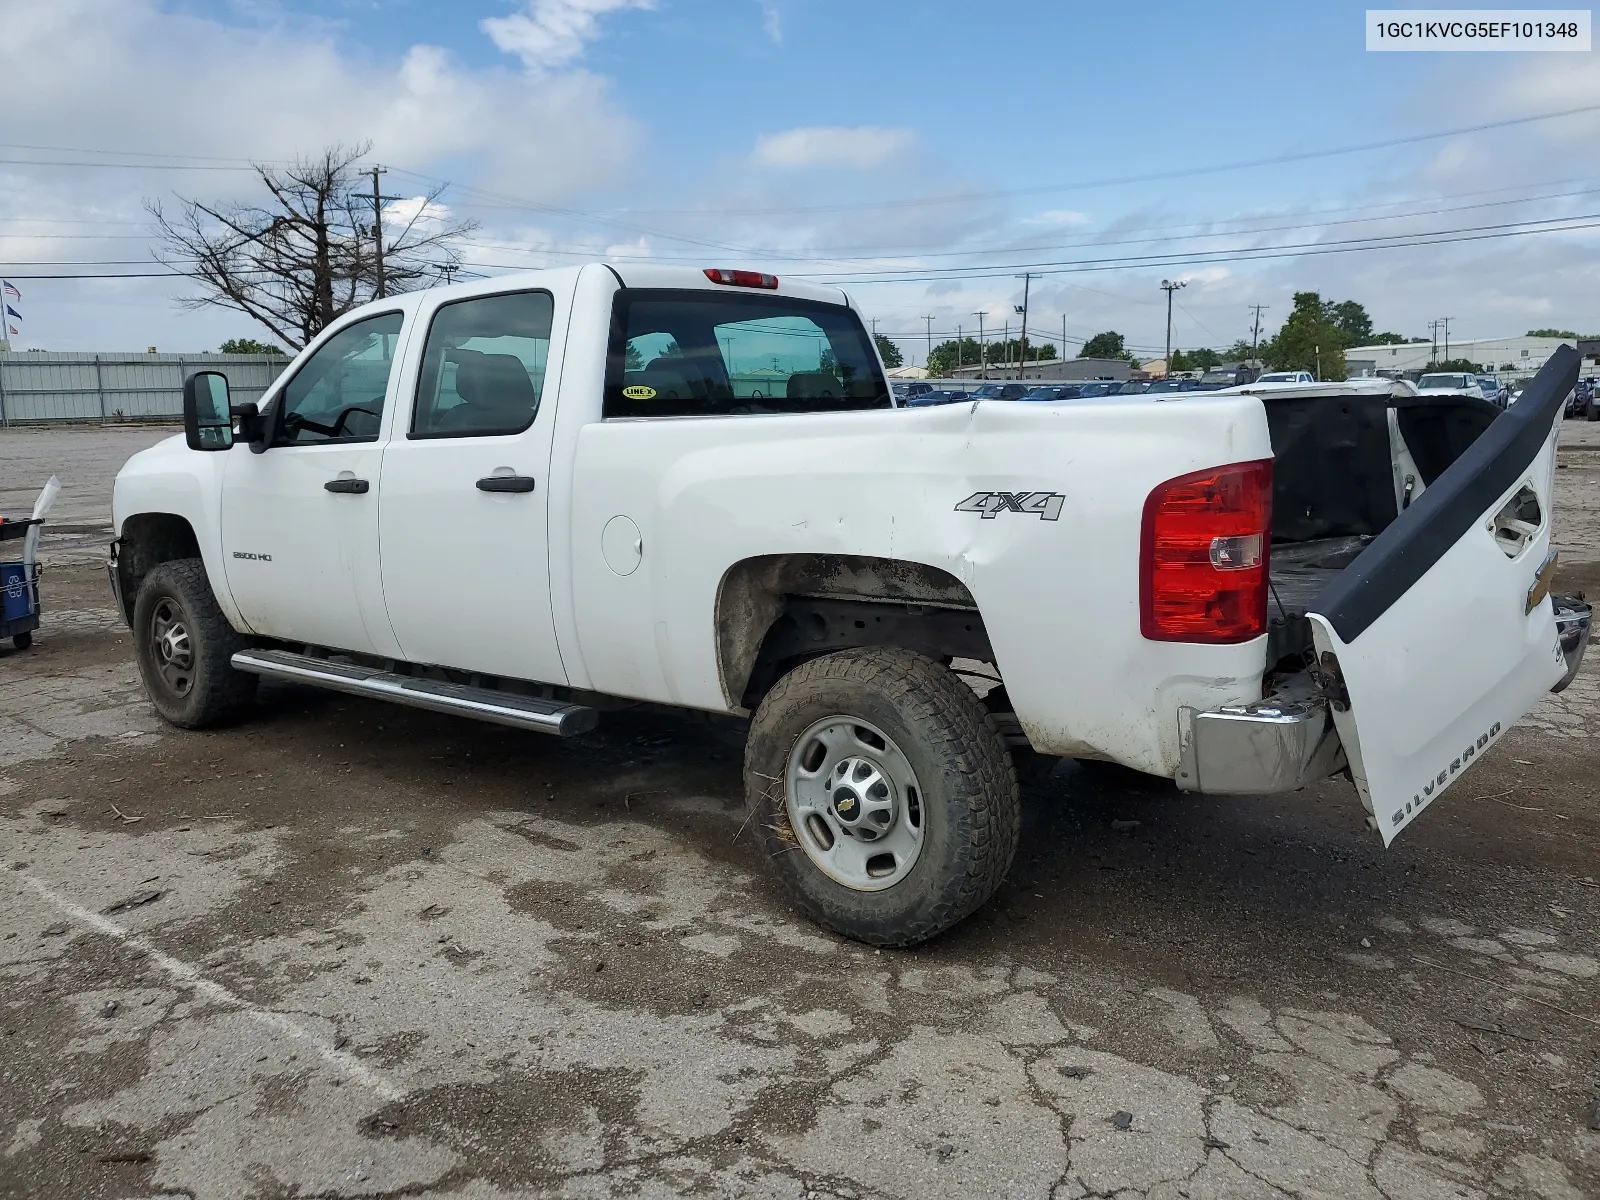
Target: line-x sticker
(1044, 505)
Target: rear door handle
(506, 483)
(355, 487)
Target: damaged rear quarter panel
(1059, 598)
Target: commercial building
(1514, 356)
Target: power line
(1208, 257)
(1149, 177)
(62, 162)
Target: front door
(1443, 633)
(466, 571)
(300, 520)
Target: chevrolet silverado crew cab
(542, 497)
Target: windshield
(1442, 381)
(1132, 389)
(988, 391)
(1218, 377)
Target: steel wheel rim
(854, 803)
(171, 647)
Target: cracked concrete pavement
(349, 950)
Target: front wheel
(185, 648)
(885, 794)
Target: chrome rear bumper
(1276, 745)
(1572, 623)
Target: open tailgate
(1442, 634)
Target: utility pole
(377, 227)
(1005, 349)
(1433, 328)
(1063, 344)
(1255, 330)
(983, 347)
(1168, 286)
(1022, 341)
(1445, 321)
(960, 362)
(928, 365)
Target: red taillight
(741, 278)
(1203, 555)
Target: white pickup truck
(540, 497)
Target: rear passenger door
(465, 491)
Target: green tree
(1388, 339)
(1105, 345)
(888, 351)
(1455, 364)
(1351, 320)
(1308, 341)
(947, 356)
(1560, 333)
(1194, 360)
(246, 346)
(1240, 351)
(1008, 351)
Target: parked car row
(924, 395)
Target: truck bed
(1299, 572)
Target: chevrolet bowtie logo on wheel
(1044, 505)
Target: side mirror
(207, 416)
(249, 425)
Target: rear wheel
(22, 641)
(885, 795)
(185, 646)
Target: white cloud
(553, 33)
(1057, 216)
(772, 21)
(414, 210)
(859, 147)
(140, 77)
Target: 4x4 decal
(988, 505)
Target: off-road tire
(967, 782)
(22, 641)
(216, 693)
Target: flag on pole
(12, 292)
(14, 332)
(13, 312)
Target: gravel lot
(352, 950)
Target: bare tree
(307, 255)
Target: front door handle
(506, 483)
(355, 487)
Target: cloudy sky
(924, 154)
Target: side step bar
(459, 699)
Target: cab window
(483, 366)
(697, 353)
(337, 395)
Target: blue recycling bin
(19, 594)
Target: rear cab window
(694, 353)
